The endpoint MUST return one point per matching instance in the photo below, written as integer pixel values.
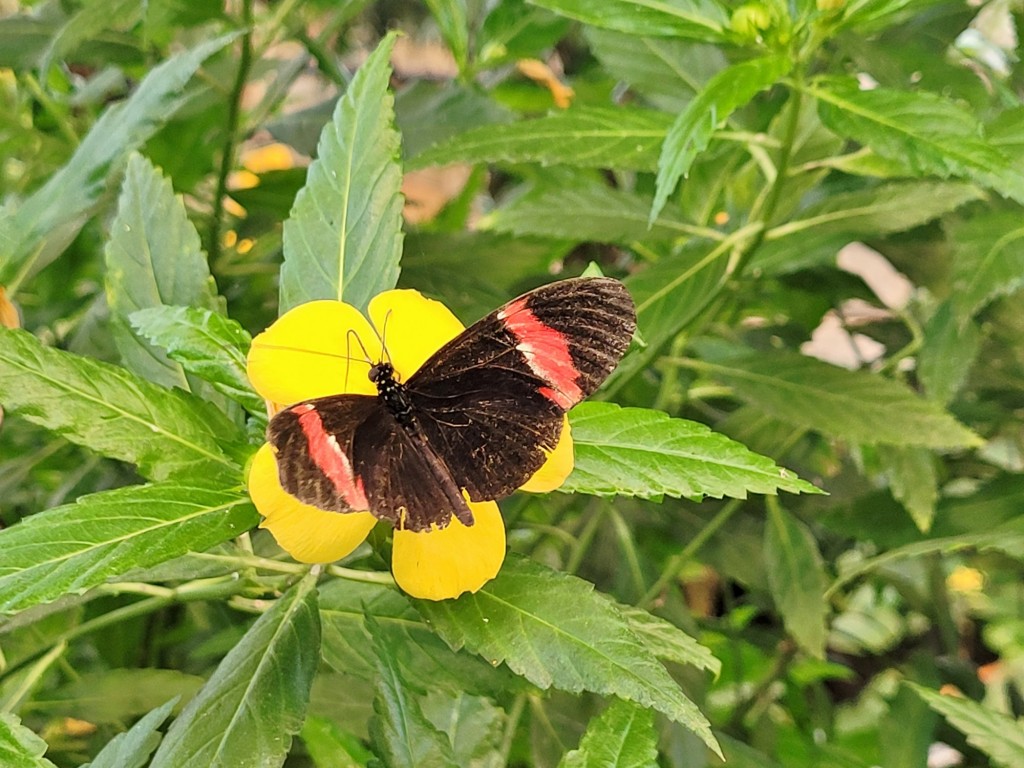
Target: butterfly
(480, 415)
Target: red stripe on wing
(329, 458)
(546, 351)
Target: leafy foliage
(344, 236)
(816, 209)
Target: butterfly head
(381, 372)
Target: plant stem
(227, 160)
(679, 561)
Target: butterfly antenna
(384, 337)
(348, 348)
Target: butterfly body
(476, 420)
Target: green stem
(942, 608)
(782, 660)
(679, 561)
(50, 107)
(14, 698)
(515, 714)
(625, 536)
(582, 544)
(227, 160)
(771, 200)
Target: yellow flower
(310, 352)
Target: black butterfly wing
(485, 410)
(347, 453)
(490, 402)
(313, 444)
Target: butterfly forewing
(492, 399)
(483, 411)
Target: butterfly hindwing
(313, 442)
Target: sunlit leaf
(20, 747)
(999, 736)
(623, 735)
(694, 19)
(153, 258)
(343, 239)
(166, 433)
(927, 133)
(724, 93)
(853, 405)
(133, 748)
(78, 546)
(643, 452)
(425, 659)
(552, 629)
(205, 343)
(256, 700)
(590, 213)
(585, 137)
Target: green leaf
(881, 210)
(153, 258)
(989, 261)
(401, 734)
(587, 213)
(693, 19)
(89, 21)
(928, 133)
(868, 15)
(425, 660)
(912, 480)
(450, 16)
(907, 730)
(584, 137)
(133, 748)
(669, 295)
(80, 545)
(343, 239)
(166, 433)
(19, 747)
(205, 343)
(256, 700)
(668, 73)
(622, 736)
(852, 405)
(997, 735)
(51, 217)
(949, 350)
(724, 93)
(474, 726)
(667, 641)
(797, 579)
(645, 453)
(331, 747)
(119, 695)
(554, 630)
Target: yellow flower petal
(559, 464)
(308, 534)
(445, 563)
(416, 327)
(311, 351)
